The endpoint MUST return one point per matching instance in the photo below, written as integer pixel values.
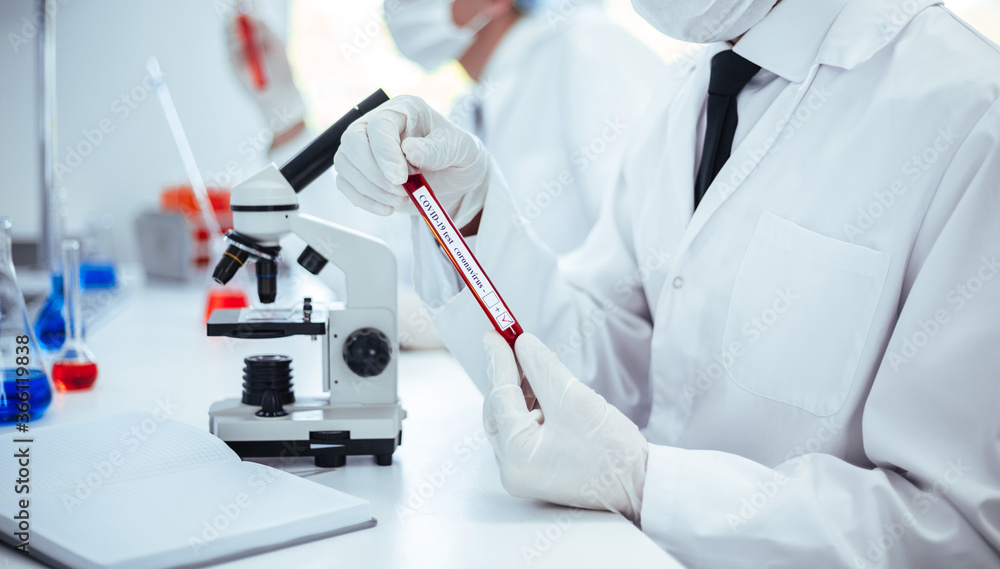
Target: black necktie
(730, 74)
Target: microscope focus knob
(367, 352)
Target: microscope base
(312, 427)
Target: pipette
(187, 155)
(454, 245)
(216, 295)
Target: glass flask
(49, 325)
(50, 328)
(26, 392)
(97, 266)
(74, 368)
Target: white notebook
(138, 492)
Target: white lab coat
(813, 354)
(556, 103)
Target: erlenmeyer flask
(74, 368)
(26, 392)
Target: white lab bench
(440, 504)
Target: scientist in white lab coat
(808, 343)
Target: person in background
(283, 110)
(557, 89)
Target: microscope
(362, 415)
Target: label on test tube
(461, 256)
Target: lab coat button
(678, 282)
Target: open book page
(78, 458)
(191, 517)
(134, 492)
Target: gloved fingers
(356, 148)
(385, 134)
(512, 430)
(436, 151)
(547, 376)
(504, 408)
(501, 365)
(367, 188)
(360, 200)
(408, 208)
(530, 401)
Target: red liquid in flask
(458, 251)
(73, 376)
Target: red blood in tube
(73, 376)
(458, 251)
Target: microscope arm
(368, 264)
(318, 156)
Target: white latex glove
(404, 135)
(577, 450)
(279, 101)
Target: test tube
(454, 245)
(253, 52)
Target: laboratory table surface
(440, 504)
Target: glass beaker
(26, 392)
(97, 267)
(74, 368)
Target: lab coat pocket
(801, 309)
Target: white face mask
(703, 21)
(425, 32)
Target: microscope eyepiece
(231, 261)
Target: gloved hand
(381, 149)
(279, 100)
(577, 450)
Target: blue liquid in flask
(35, 383)
(50, 327)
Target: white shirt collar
(798, 34)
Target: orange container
(181, 199)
